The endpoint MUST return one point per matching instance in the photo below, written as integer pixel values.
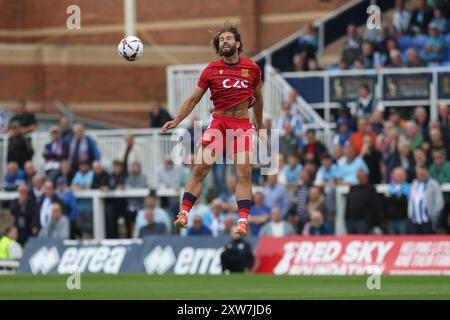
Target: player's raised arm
(187, 107)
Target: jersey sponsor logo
(221, 71)
(234, 83)
(244, 73)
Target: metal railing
(155, 148)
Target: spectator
(69, 204)
(117, 206)
(307, 43)
(54, 152)
(66, 130)
(421, 119)
(66, 171)
(347, 169)
(401, 17)
(198, 228)
(276, 227)
(58, 227)
(396, 59)
(25, 119)
(218, 172)
(313, 65)
(159, 214)
(276, 195)
(292, 169)
(317, 226)
(45, 205)
(370, 58)
(25, 212)
(436, 142)
(229, 197)
(229, 222)
(372, 157)
(13, 177)
(259, 214)
(401, 156)
(352, 45)
(316, 201)
(19, 148)
(301, 201)
(314, 149)
(439, 20)
(440, 171)
(434, 45)
(100, 179)
(413, 59)
(299, 62)
(131, 153)
(169, 174)
(10, 249)
(366, 103)
(444, 120)
(420, 158)
(357, 138)
(343, 133)
(420, 17)
(396, 203)
(152, 227)
(5, 116)
(158, 115)
(237, 256)
(425, 203)
(376, 122)
(216, 220)
(363, 207)
(290, 116)
(413, 135)
(82, 181)
(82, 148)
(135, 180)
(37, 190)
(327, 172)
(289, 142)
(30, 172)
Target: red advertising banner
(354, 255)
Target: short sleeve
(257, 76)
(203, 81)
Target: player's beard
(228, 53)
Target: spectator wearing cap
(425, 203)
(159, 214)
(19, 148)
(54, 152)
(420, 17)
(362, 210)
(69, 204)
(82, 148)
(317, 225)
(26, 120)
(395, 204)
(344, 133)
(314, 149)
(13, 177)
(434, 45)
(58, 226)
(25, 211)
(259, 214)
(396, 59)
(276, 227)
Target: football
(130, 48)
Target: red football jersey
(230, 84)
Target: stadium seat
(419, 41)
(433, 64)
(404, 42)
(447, 39)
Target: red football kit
(230, 84)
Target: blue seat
(404, 42)
(419, 41)
(434, 64)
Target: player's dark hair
(227, 27)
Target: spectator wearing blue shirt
(439, 20)
(259, 214)
(198, 228)
(434, 45)
(276, 195)
(292, 168)
(349, 166)
(343, 135)
(327, 172)
(295, 121)
(69, 203)
(13, 177)
(308, 42)
(396, 202)
(82, 181)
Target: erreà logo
(44, 260)
(159, 260)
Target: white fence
(155, 148)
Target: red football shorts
(233, 133)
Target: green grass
(246, 287)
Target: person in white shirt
(276, 227)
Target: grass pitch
(242, 287)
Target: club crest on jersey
(244, 73)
